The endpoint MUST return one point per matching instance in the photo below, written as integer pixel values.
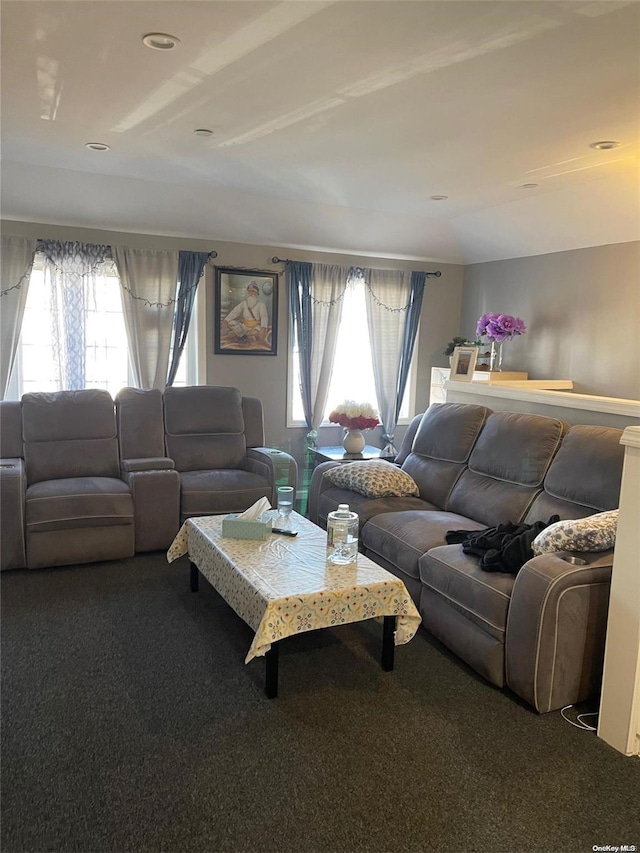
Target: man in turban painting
(248, 322)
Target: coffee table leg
(271, 674)
(195, 577)
(388, 630)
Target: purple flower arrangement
(500, 327)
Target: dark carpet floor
(130, 723)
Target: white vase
(353, 441)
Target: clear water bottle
(342, 536)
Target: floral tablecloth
(284, 586)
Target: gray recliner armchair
(13, 485)
(215, 437)
(77, 507)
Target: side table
(338, 454)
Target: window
(180, 379)
(352, 359)
(106, 351)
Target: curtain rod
(276, 260)
(211, 255)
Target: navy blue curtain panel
(190, 268)
(300, 273)
(411, 322)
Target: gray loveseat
(542, 632)
(84, 478)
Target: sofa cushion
(594, 533)
(203, 410)
(204, 427)
(69, 434)
(140, 415)
(517, 448)
(220, 491)
(507, 467)
(456, 577)
(441, 448)
(365, 507)
(78, 502)
(585, 475)
(588, 467)
(401, 538)
(68, 415)
(374, 478)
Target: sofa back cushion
(442, 446)
(204, 428)
(140, 419)
(584, 477)
(69, 434)
(10, 429)
(507, 467)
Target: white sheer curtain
(70, 272)
(316, 299)
(16, 263)
(149, 281)
(387, 294)
(328, 284)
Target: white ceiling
(333, 122)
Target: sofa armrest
(152, 463)
(156, 507)
(276, 466)
(317, 486)
(556, 629)
(13, 486)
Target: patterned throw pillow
(593, 533)
(374, 478)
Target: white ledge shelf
(542, 393)
(631, 438)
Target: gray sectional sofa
(84, 478)
(542, 631)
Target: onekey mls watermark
(614, 848)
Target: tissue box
(236, 528)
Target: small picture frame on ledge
(463, 363)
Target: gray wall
(582, 310)
(266, 377)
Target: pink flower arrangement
(352, 415)
(500, 327)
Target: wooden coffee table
(283, 586)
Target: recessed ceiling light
(605, 145)
(438, 197)
(160, 41)
(528, 186)
(97, 146)
(203, 131)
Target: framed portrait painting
(463, 363)
(246, 312)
